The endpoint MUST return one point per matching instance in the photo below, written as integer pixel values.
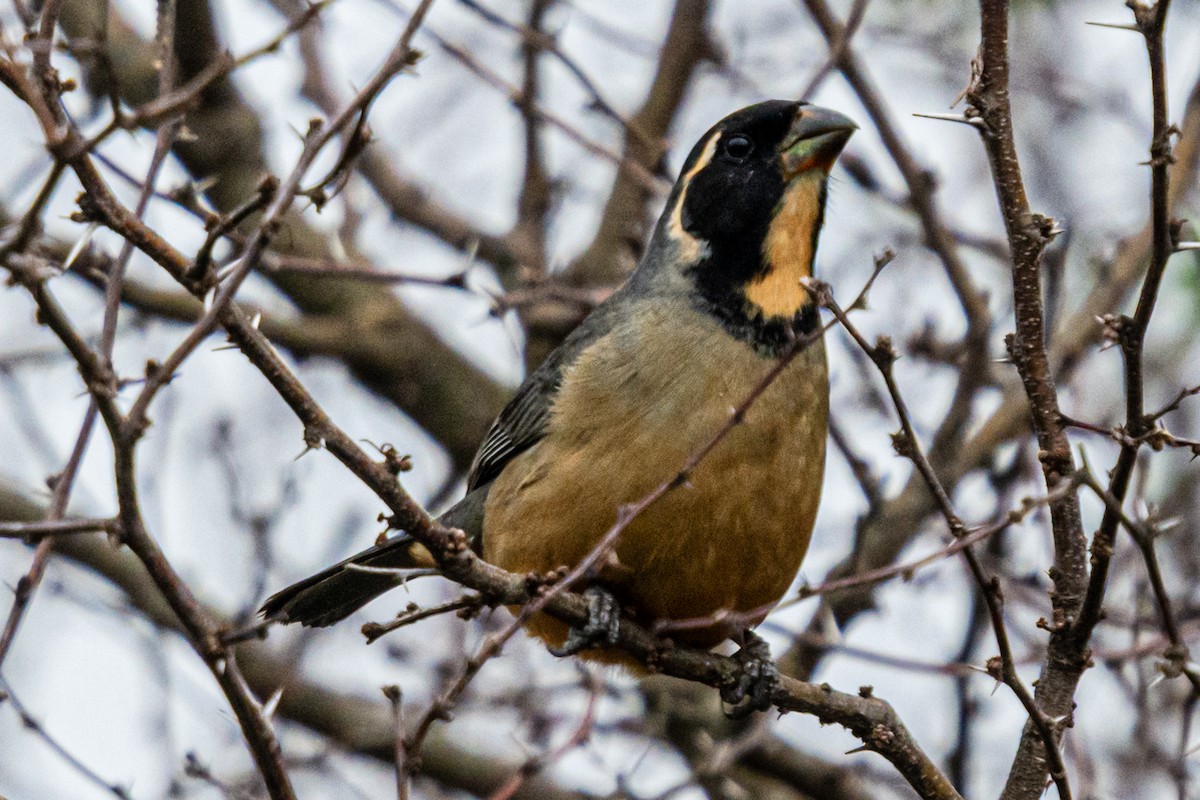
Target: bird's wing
(525, 419)
(520, 425)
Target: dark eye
(739, 147)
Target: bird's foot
(602, 626)
(755, 681)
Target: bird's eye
(739, 147)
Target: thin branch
(414, 614)
(36, 531)
(402, 760)
(533, 203)
(648, 180)
(579, 736)
(838, 46)
(543, 42)
(31, 724)
(1151, 22)
(957, 545)
(1144, 535)
(1028, 235)
(62, 483)
(616, 246)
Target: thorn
(272, 703)
(1156, 680)
(469, 259)
(974, 122)
(1187, 246)
(336, 248)
(1117, 26)
(1164, 525)
(210, 297)
(227, 270)
(80, 245)
(1004, 360)
(829, 625)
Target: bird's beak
(815, 140)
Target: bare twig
(643, 175)
(968, 538)
(30, 723)
(36, 531)
(403, 774)
(63, 482)
(413, 614)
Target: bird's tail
(334, 594)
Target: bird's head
(743, 218)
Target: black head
(746, 210)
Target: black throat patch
(767, 336)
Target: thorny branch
(906, 443)
(1028, 235)
(41, 95)
(1151, 22)
(878, 542)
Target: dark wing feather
(519, 426)
(525, 419)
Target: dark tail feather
(334, 594)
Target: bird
(645, 380)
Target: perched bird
(644, 382)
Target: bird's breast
(630, 412)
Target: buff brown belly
(629, 414)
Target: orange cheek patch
(788, 251)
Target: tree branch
(1028, 235)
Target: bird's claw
(602, 626)
(755, 681)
